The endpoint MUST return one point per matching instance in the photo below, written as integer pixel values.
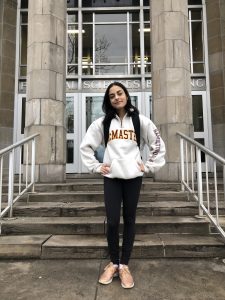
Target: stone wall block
(157, 8)
(160, 109)
(215, 61)
(155, 32)
(52, 112)
(218, 115)
(172, 110)
(6, 117)
(170, 170)
(165, 50)
(60, 145)
(180, 5)
(52, 173)
(8, 65)
(33, 108)
(172, 26)
(9, 104)
(60, 87)
(181, 54)
(218, 97)
(34, 57)
(7, 83)
(8, 49)
(53, 57)
(214, 28)
(45, 146)
(42, 29)
(9, 33)
(42, 84)
(60, 32)
(167, 5)
(219, 130)
(10, 15)
(35, 8)
(156, 84)
(6, 137)
(50, 7)
(215, 44)
(173, 142)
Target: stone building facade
(57, 58)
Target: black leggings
(116, 191)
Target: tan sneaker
(126, 278)
(110, 271)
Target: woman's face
(117, 97)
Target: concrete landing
(155, 279)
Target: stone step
(95, 246)
(96, 225)
(73, 196)
(85, 209)
(95, 185)
(97, 196)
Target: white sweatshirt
(122, 153)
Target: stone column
(8, 9)
(45, 106)
(216, 45)
(171, 86)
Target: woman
(122, 169)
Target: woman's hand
(141, 167)
(105, 169)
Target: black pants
(117, 191)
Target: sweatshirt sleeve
(91, 141)
(152, 138)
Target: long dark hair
(107, 108)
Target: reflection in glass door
(19, 125)
(72, 126)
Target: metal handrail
(9, 154)
(191, 174)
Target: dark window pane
(197, 113)
(72, 17)
(197, 43)
(146, 2)
(109, 69)
(194, 2)
(116, 17)
(87, 18)
(70, 114)
(146, 15)
(72, 69)
(198, 68)
(202, 142)
(72, 44)
(23, 115)
(72, 3)
(109, 3)
(24, 16)
(23, 50)
(111, 47)
(196, 14)
(24, 3)
(134, 17)
(69, 152)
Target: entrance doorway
(81, 111)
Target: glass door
(73, 127)
(201, 121)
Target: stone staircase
(68, 221)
